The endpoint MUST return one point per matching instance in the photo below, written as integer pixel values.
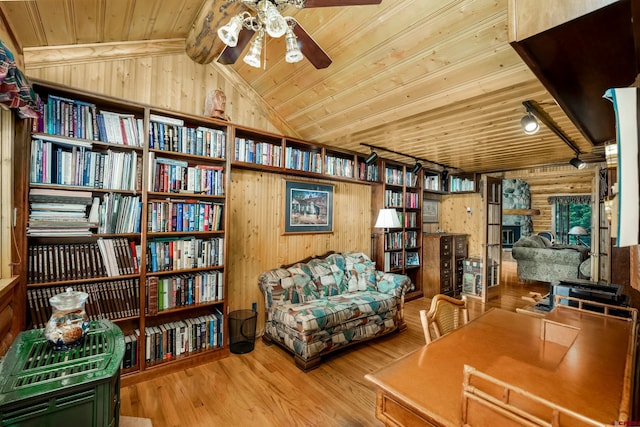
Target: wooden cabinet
(443, 256)
(399, 250)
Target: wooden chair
(445, 315)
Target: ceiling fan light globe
(275, 24)
(229, 33)
(293, 50)
(252, 57)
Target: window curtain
(561, 208)
(15, 90)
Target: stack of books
(59, 213)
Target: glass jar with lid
(69, 322)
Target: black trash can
(242, 331)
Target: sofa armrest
(392, 283)
(281, 286)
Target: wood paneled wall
(552, 181)
(455, 219)
(256, 241)
(172, 81)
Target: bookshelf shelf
(81, 281)
(184, 308)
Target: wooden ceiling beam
(85, 53)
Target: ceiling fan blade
(230, 55)
(330, 3)
(310, 49)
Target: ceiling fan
(225, 27)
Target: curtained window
(570, 211)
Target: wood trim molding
(49, 56)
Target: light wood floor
(264, 388)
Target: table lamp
(578, 231)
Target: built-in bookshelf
(398, 250)
(274, 153)
(128, 204)
(462, 183)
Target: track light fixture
(529, 124)
(371, 159)
(416, 168)
(577, 163)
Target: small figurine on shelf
(215, 104)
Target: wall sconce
(577, 163)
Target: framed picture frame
(308, 207)
(430, 211)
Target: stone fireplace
(515, 195)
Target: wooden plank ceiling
(433, 79)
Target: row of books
(461, 184)
(120, 256)
(175, 339)
(63, 163)
(413, 259)
(77, 261)
(116, 213)
(410, 239)
(432, 182)
(408, 219)
(184, 253)
(368, 172)
(164, 293)
(106, 300)
(393, 240)
(58, 212)
(260, 153)
(78, 119)
(176, 176)
(393, 261)
(131, 351)
(184, 216)
(303, 160)
(411, 179)
(170, 134)
(397, 240)
(412, 200)
(393, 176)
(339, 166)
(393, 198)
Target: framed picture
(309, 208)
(429, 211)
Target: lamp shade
(387, 218)
(577, 230)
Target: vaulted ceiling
(432, 79)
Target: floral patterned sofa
(319, 305)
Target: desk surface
(508, 346)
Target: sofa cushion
(534, 241)
(360, 272)
(326, 277)
(326, 313)
(302, 287)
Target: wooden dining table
(584, 362)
